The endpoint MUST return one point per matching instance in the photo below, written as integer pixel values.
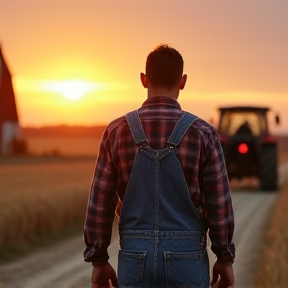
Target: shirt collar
(162, 101)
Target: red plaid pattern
(199, 153)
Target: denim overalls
(162, 241)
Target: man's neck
(173, 93)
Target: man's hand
(223, 276)
(101, 274)
(110, 284)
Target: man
(166, 168)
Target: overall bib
(162, 241)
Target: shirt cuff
(96, 255)
(225, 255)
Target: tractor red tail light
(243, 148)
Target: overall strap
(136, 128)
(175, 138)
(181, 128)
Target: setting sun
(71, 89)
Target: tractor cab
(249, 148)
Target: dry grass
(274, 263)
(40, 197)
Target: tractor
(249, 148)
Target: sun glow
(71, 89)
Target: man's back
(158, 118)
(158, 224)
(200, 158)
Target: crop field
(274, 263)
(41, 196)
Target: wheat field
(273, 266)
(41, 196)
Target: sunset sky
(78, 61)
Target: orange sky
(235, 52)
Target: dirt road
(62, 266)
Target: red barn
(9, 124)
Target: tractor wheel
(268, 168)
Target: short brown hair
(164, 67)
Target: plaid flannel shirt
(199, 153)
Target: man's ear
(144, 80)
(183, 81)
